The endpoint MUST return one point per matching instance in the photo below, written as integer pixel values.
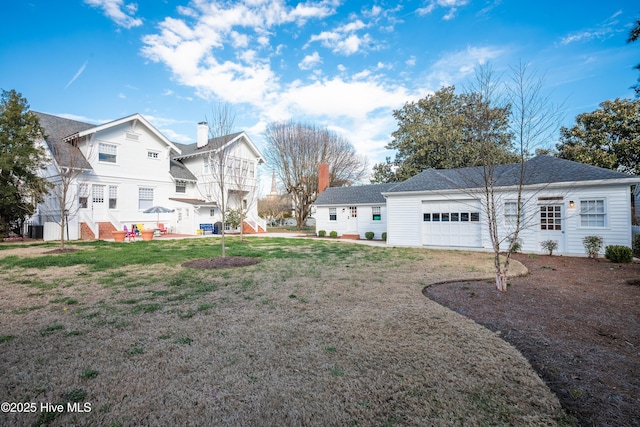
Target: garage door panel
(451, 223)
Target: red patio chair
(129, 233)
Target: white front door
(352, 220)
(98, 205)
(552, 225)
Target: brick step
(350, 236)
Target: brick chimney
(203, 134)
(323, 177)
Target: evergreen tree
(21, 187)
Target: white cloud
(113, 9)
(603, 30)
(343, 39)
(451, 7)
(310, 61)
(225, 51)
(456, 66)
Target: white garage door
(451, 223)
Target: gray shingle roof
(359, 194)
(212, 145)
(180, 171)
(58, 128)
(539, 170)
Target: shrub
(636, 245)
(369, 235)
(618, 253)
(333, 234)
(515, 246)
(322, 233)
(549, 246)
(593, 245)
(384, 236)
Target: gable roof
(134, 118)
(358, 194)
(215, 144)
(57, 129)
(539, 170)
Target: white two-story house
(123, 167)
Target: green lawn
(319, 333)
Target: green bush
(618, 253)
(369, 235)
(322, 233)
(384, 236)
(333, 234)
(549, 246)
(515, 246)
(636, 245)
(593, 245)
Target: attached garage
(451, 223)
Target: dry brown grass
(348, 341)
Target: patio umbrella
(158, 210)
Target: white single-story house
(561, 200)
(127, 165)
(353, 211)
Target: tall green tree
(21, 159)
(439, 131)
(608, 137)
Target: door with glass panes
(552, 225)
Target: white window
(181, 186)
(375, 213)
(511, 213)
(152, 154)
(592, 213)
(83, 196)
(113, 197)
(332, 214)
(97, 192)
(212, 212)
(354, 211)
(145, 198)
(107, 153)
(551, 217)
(206, 168)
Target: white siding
(404, 217)
(404, 220)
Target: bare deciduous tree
(533, 120)
(295, 150)
(69, 187)
(215, 184)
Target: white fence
(52, 231)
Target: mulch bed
(577, 321)
(221, 262)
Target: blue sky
(342, 64)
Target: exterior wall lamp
(572, 204)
